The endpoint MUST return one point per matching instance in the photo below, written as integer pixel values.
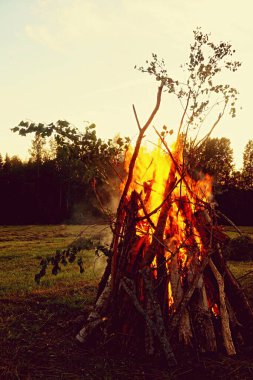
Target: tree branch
(136, 117)
(184, 113)
(201, 142)
(120, 210)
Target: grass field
(38, 323)
(22, 248)
(247, 230)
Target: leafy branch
(198, 91)
(79, 147)
(63, 257)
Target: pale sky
(74, 60)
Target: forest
(66, 182)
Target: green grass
(241, 270)
(243, 273)
(246, 230)
(22, 247)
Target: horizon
(73, 60)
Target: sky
(74, 60)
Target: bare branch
(219, 213)
(120, 211)
(158, 207)
(136, 117)
(202, 141)
(184, 113)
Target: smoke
(103, 235)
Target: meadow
(38, 323)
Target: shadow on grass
(37, 341)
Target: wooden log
(238, 300)
(185, 333)
(226, 332)
(149, 333)
(235, 326)
(129, 240)
(162, 283)
(201, 319)
(176, 286)
(160, 328)
(236, 296)
(104, 279)
(97, 317)
(175, 318)
(157, 327)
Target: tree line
(72, 176)
(232, 188)
(61, 179)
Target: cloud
(42, 35)
(60, 24)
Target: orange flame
(181, 236)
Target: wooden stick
(226, 332)
(203, 140)
(229, 221)
(120, 210)
(184, 113)
(235, 294)
(149, 333)
(136, 118)
(96, 316)
(159, 318)
(187, 296)
(160, 206)
(129, 287)
(146, 216)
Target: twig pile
(167, 285)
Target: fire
(170, 296)
(181, 237)
(149, 176)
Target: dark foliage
(29, 197)
(240, 248)
(43, 194)
(247, 171)
(49, 188)
(237, 204)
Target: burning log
(166, 283)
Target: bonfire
(167, 289)
(167, 286)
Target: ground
(38, 323)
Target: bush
(240, 248)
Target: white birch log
(97, 315)
(226, 332)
